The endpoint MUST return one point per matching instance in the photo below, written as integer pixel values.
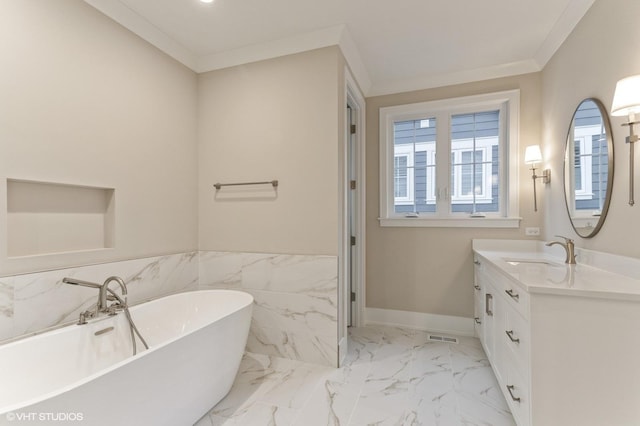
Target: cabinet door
(478, 303)
(478, 312)
(516, 392)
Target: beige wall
(274, 119)
(431, 269)
(86, 102)
(602, 49)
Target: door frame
(355, 100)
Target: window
(446, 163)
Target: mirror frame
(605, 207)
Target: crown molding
(332, 36)
(132, 21)
(354, 61)
(340, 36)
(447, 79)
(271, 49)
(572, 14)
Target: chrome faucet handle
(114, 309)
(84, 316)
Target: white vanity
(563, 340)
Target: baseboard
(459, 326)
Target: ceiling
(391, 46)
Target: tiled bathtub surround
(295, 314)
(33, 302)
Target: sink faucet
(101, 306)
(569, 248)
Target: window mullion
(443, 164)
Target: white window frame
(509, 104)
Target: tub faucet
(569, 248)
(104, 289)
(101, 306)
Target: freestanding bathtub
(72, 375)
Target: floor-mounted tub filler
(86, 374)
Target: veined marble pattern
(295, 311)
(283, 273)
(40, 300)
(6, 308)
(391, 376)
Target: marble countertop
(539, 271)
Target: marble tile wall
(36, 301)
(295, 313)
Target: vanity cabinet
(505, 337)
(561, 356)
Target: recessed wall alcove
(46, 218)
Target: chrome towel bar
(273, 183)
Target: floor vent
(445, 339)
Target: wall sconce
(626, 101)
(532, 156)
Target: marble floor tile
(269, 415)
(391, 376)
(332, 404)
(296, 386)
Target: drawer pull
(477, 262)
(510, 334)
(477, 320)
(477, 287)
(510, 389)
(513, 295)
(487, 299)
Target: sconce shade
(532, 154)
(626, 99)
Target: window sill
(462, 222)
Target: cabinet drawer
(516, 392)
(517, 298)
(515, 295)
(517, 339)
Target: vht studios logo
(51, 417)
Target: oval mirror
(588, 168)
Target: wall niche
(47, 218)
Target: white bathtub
(72, 376)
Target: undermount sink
(516, 262)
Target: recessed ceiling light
(206, 1)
